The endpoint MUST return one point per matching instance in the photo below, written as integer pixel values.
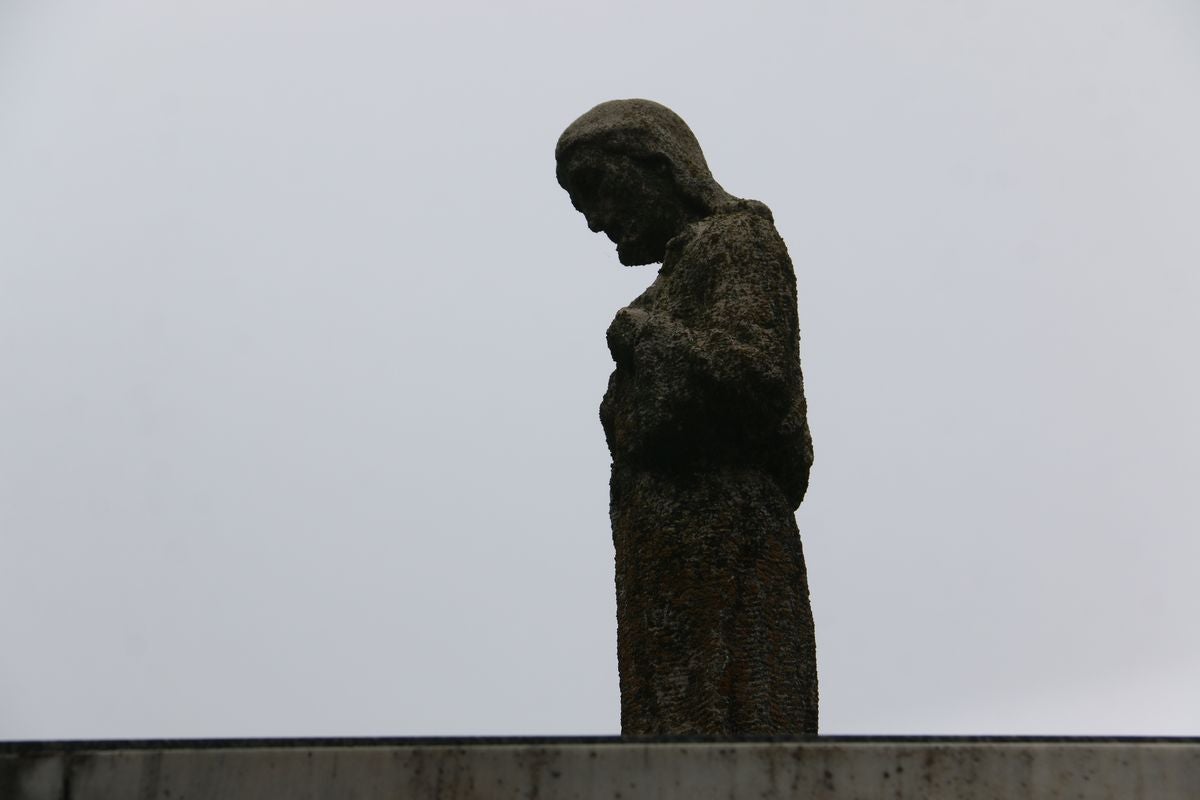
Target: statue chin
(632, 261)
(637, 254)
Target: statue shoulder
(739, 228)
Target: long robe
(705, 418)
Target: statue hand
(624, 332)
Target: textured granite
(705, 418)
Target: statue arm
(743, 345)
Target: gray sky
(302, 347)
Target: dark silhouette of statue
(706, 422)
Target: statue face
(632, 200)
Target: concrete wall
(457, 770)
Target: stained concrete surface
(602, 768)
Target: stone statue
(706, 421)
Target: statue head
(634, 169)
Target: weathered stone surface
(706, 421)
(822, 769)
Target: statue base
(457, 769)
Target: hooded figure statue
(705, 419)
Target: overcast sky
(301, 349)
